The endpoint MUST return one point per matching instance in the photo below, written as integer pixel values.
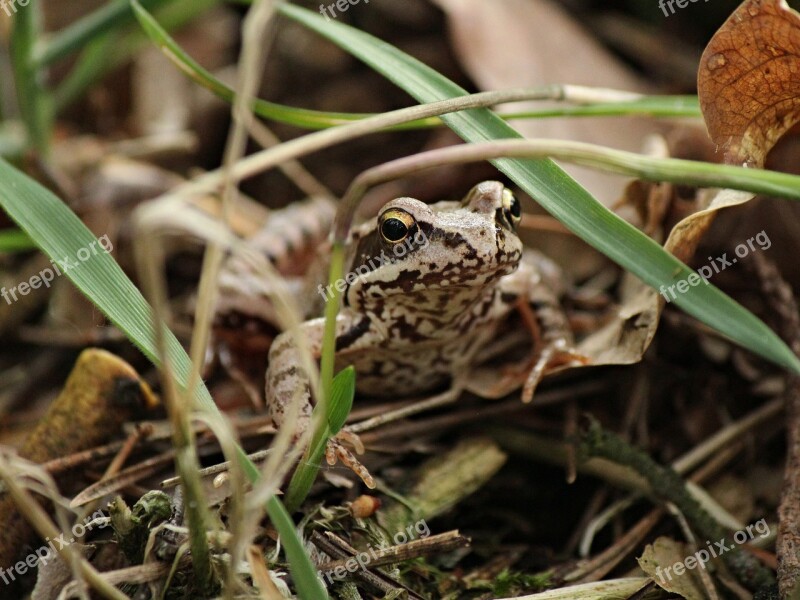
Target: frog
(426, 291)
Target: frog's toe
(336, 450)
(556, 354)
(350, 437)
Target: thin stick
(686, 172)
(267, 159)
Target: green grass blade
(336, 394)
(32, 98)
(309, 585)
(654, 106)
(663, 106)
(96, 59)
(93, 60)
(342, 393)
(15, 240)
(558, 193)
(84, 31)
(285, 114)
(61, 235)
(343, 390)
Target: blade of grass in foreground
(662, 106)
(84, 31)
(558, 193)
(343, 389)
(61, 235)
(32, 97)
(107, 50)
(295, 116)
(14, 240)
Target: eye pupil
(394, 230)
(512, 209)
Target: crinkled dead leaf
(749, 88)
(664, 554)
(749, 80)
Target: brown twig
(434, 544)
(338, 548)
(480, 413)
(781, 299)
(600, 565)
(140, 434)
(668, 485)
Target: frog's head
(414, 248)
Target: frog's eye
(511, 207)
(396, 225)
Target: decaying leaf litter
(469, 503)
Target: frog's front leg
(539, 305)
(286, 378)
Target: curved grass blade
(343, 390)
(15, 240)
(33, 99)
(105, 52)
(61, 235)
(558, 193)
(95, 56)
(300, 117)
(663, 106)
(654, 106)
(96, 24)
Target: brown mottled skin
(409, 325)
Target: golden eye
(511, 207)
(396, 225)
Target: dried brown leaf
(662, 554)
(749, 80)
(747, 85)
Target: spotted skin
(410, 324)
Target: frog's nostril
(484, 197)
